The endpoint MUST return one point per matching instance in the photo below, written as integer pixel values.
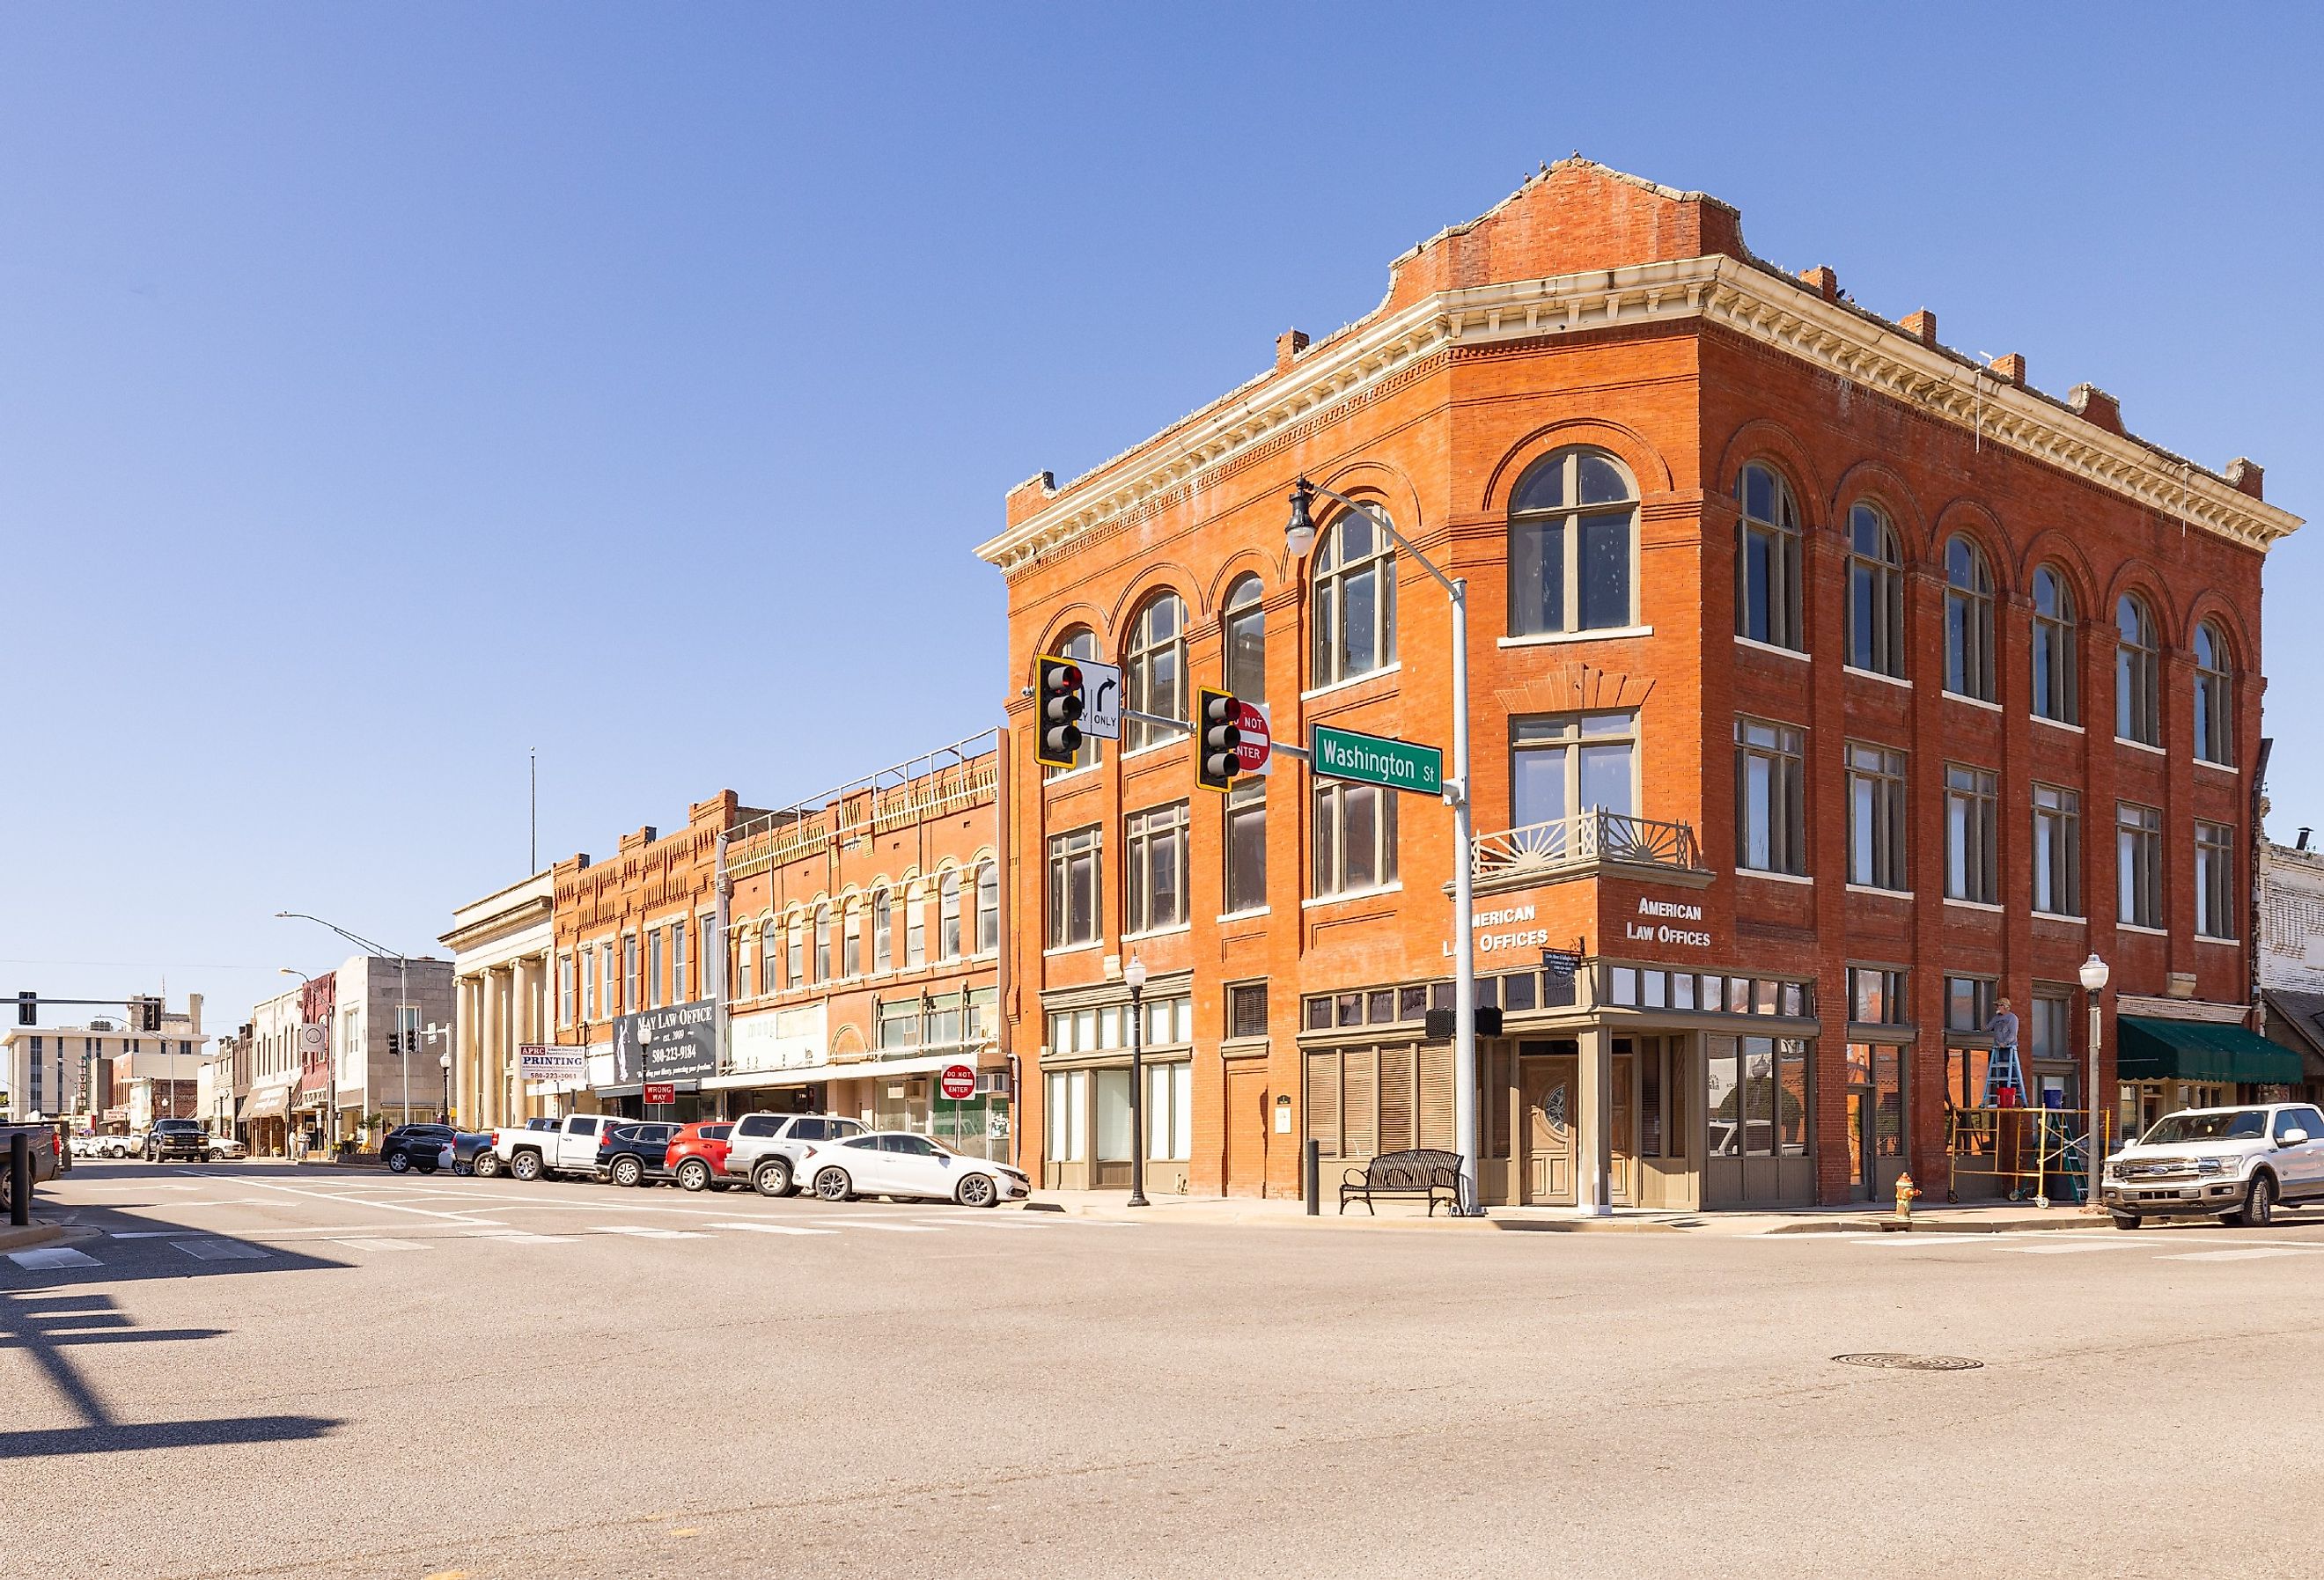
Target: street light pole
(1299, 537)
(402, 992)
(445, 1061)
(1134, 975)
(2093, 975)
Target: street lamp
(1134, 975)
(2093, 975)
(1299, 538)
(402, 994)
(445, 1061)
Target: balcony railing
(1564, 846)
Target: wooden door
(1623, 1144)
(1246, 1129)
(1549, 1088)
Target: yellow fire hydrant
(1906, 1191)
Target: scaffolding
(2032, 1154)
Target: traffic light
(1057, 688)
(1216, 736)
(28, 1009)
(150, 1015)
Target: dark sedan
(634, 1154)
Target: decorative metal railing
(1564, 843)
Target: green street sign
(1378, 760)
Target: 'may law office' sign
(679, 1042)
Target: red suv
(697, 1156)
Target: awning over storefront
(270, 1103)
(2154, 1050)
(808, 1075)
(634, 1089)
(873, 1069)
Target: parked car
(2240, 1163)
(415, 1146)
(489, 1163)
(227, 1147)
(636, 1153)
(900, 1164)
(177, 1137)
(120, 1146)
(85, 1146)
(567, 1147)
(765, 1148)
(696, 1159)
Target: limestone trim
(1749, 299)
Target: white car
(2240, 1163)
(227, 1147)
(897, 1163)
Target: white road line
(2067, 1250)
(891, 1228)
(382, 1242)
(2251, 1253)
(144, 1233)
(1021, 1225)
(772, 1228)
(517, 1237)
(48, 1256)
(220, 1250)
(385, 1206)
(643, 1233)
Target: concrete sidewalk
(1283, 1212)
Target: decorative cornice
(1752, 301)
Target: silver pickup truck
(2240, 1163)
(564, 1146)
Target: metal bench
(1421, 1173)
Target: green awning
(2154, 1050)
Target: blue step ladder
(2004, 1071)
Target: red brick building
(1827, 686)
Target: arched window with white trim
(1154, 675)
(1355, 599)
(2215, 739)
(2056, 695)
(2137, 711)
(1969, 621)
(1573, 545)
(1876, 593)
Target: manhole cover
(1894, 1361)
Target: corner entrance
(1547, 1078)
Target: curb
(15, 1239)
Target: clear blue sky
(387, 389)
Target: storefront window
(1170, 1112)
(1067, 1116)
(1113, 1115)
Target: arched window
(987, 904)
(1876, 593)
(823, 943)
(2214, 737)
(794, 952)
(883, 932)
(2055, 695)
(2137, 713)
(1153, 680)
(1246, 640)
(916, 926)
(1574, 521)
(1969, 621)
(1355, 599)
(1767, 561)
(1082, 647)
(948, 916)
(850, 940)
(743, 948)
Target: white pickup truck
(564, 1146)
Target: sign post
(1379, 760)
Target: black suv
(177, 1137)
(415, 1146)
(635, 1154)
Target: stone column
(464, 1061)
(1594, 1123)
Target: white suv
(2240, 1163)
(765, 1148)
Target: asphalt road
(241, 1369)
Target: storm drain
(1896, 1361)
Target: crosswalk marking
(2067, 1250)
(643, 1233)
(517, 1237)
(382, 1242)
(2251, 1255)
(145, 1234)
(772, 1228)
(42, 1257)
(893, 1228)
(219, 1250)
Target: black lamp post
(445, 1060)
(1134, 973)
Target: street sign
(659, 1093)
(1252, 751)
(958, 1082)
(1101, 699)
(1376, 760)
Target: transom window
(1154, 677)
(1355, 599)
(1969, 621)
(1573, 523)
(1876, 593)
(2214, 739)
(2137, 716)
(1767, 561)
(2054, 692)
